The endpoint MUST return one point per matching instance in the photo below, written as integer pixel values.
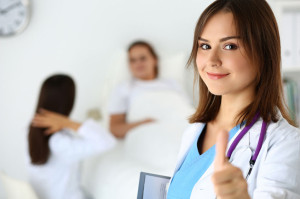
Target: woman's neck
(145, 79)
(231, 107)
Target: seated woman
(56, 150)
(143, 65)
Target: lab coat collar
(245, 142)
(195, 129)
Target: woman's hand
(228, 180)
(53, 121)
(147, 121)
(119, 126)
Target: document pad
(152, 186)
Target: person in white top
(57, 144)
(143, 65)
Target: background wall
(78, 38)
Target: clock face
(14, 16)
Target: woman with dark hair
(56, 152)
(143, 65)
(236, 58)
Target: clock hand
(4, 11)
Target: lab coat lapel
(191, 135)
(188, 139)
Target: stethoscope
(259, 144)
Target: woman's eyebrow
(221, 40)
(231, 37)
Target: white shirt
(124, 94)
(276, 173)
(59, 177)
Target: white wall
(78, 38)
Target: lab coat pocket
(204, 190)
(241, 159)
(204, 187)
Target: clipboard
(152, 186)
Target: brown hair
(258, 29)
(57, 94)
(149, 47)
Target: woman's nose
(140, 61)
(214, 58)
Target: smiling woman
(222, 61)
(236, 58)
(232, 51)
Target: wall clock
(14, 16)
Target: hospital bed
(151, 147)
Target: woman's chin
(143, 76)
(217, 92)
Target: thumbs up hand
(228, 180)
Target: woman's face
(222, 61)
(142, 63)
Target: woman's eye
(204, 46)
(231, 47)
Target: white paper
(155, 187)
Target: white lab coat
(276, 173)
(59, 177)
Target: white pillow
(115, 73)
(173, 67)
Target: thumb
(221, 145)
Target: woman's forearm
(53, 122)
(120, 129)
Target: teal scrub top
(192, 168)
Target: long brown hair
(150, 49)
(258, 29)
(57, 94)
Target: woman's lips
(215, 76)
